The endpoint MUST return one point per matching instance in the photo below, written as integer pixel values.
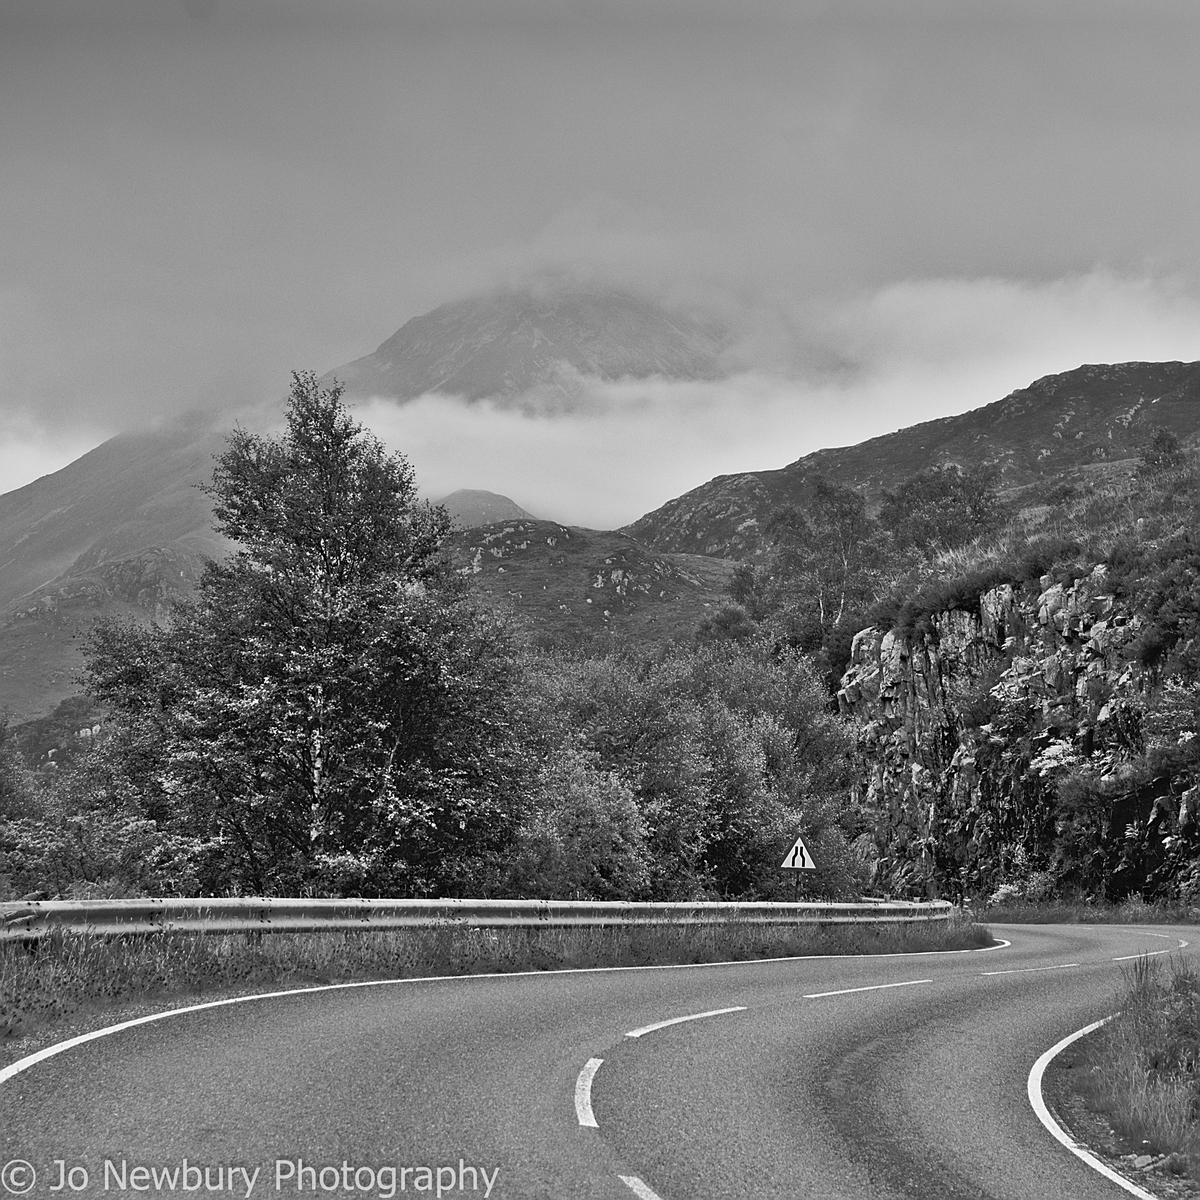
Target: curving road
(883, 1077)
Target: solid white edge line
(583, 1093)
(875, 987)
(638, 1188)
(1000, 944)
(716, 1012)
(1183, 945)
(1034, 1089)
(30, 1060)
(1027, 970)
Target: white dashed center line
(638, 1188)
(716, 1012)
(878, 987)
(1026, 970)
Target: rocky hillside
(568, 582)
(510, 342)
(1079, 423)
(1042, 739)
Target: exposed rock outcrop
(967, 728)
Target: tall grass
(50, 982)
(1142, 1067)
(1133, 911)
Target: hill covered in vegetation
(1062, 430)
(1022, 685)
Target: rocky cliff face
(1028, 744)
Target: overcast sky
(907, 208)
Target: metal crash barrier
(244, 914)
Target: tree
(16, 785)
(586, 839)
(941, 508)
(728, 751)
(332, 710)
(1163, 452)
(824, 565)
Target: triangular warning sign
(798, 858)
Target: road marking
(716, 1012)
(583, 1093)
(638, 1188)
(1001, 943)
(1026, 970)
(1151, 953)
(1034, 1090)
(877, 987)
(31, 1060)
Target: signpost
(797, 859)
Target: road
(913, 1087)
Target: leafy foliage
(331, 709)
(941, 508)
(1163, 452)
(586, 838)
(822, 558)
(729, 752)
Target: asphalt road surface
(900, 1076)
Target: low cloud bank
(874, 363)
(805, 375)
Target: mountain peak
(511, 341)
(471, 508)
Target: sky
(904, 208)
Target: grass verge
(1068, 912)
(1141, 1071)
(47, 984)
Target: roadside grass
(48, 983)
(1134, 911)
(1142, 1069)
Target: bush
(586, 839)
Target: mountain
(134, 491)
(120, 531)
(471, 508)
(1082, 422)
(509, 342)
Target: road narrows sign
(798, 858)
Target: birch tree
(331, 707)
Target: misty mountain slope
(508, 342)
(471, 507)
(1083, 421)
(120, 531)
(132, 492)
(566, 581)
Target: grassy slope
(581, 583)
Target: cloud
(27, 453)
(874, 363)
(601, 241)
